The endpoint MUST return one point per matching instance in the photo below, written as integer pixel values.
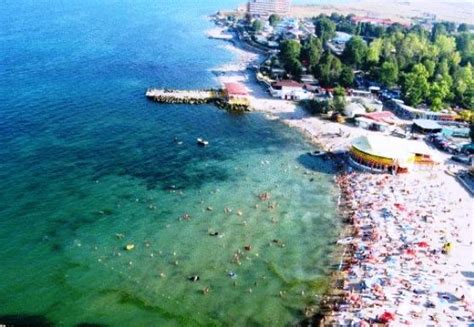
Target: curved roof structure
(391, 147)
(380, 146)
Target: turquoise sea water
(88, 165)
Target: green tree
(465, 46)
(437, 94)
(412, 49)
(445, 45)
(388, 48)
(346, 78)
(312, 51)
(430, 66)
(274, 20)
(389, 73)
(295, 68)
(325, 29)
(464, 86)
(374, 52)
(339, 100)
(355, 52)
(437, 30)
(290, 52)
(257, 25)
(415, 86)
(463, 28)
(328, 70)
(395, 28)
(317, 107)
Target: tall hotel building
(268, 7)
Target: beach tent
(382, 150)
(381, 153)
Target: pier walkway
(220, 97)
(183, 96)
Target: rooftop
(427, 124)
(382, 116)
(235, 89)
(287, 83)
(390, 147)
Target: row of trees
(433, 67)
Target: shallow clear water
(88, 165)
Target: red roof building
(286, 83)
(382, 117)
(235, 89)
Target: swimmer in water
(193, 278)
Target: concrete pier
(219, 97)
(183, 96)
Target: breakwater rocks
(215, 96)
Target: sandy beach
(395, 268)
(403, 11)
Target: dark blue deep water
(88, 165)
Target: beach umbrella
(423, 244)
(410, 252)
(399, 206)
(386, 317)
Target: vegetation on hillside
(432, 67)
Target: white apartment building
(267, 7)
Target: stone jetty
(183, 96)
(215, 96)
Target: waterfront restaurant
(380, 154)
(236, 93)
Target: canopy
(235, 89)
(381, 146)
(427, 124)
(394, 148)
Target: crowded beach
(408, 253)
(409, 257)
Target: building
(236, 94)
(406, 112)
(290, 90)
(426, 126)
(370, 124)
(384, 117)
(265, 8)
(379, 153)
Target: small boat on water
(345, 241)
(202, 142)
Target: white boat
(202, 142)
(345, 241)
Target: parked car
(466, 160)
(467, 148)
